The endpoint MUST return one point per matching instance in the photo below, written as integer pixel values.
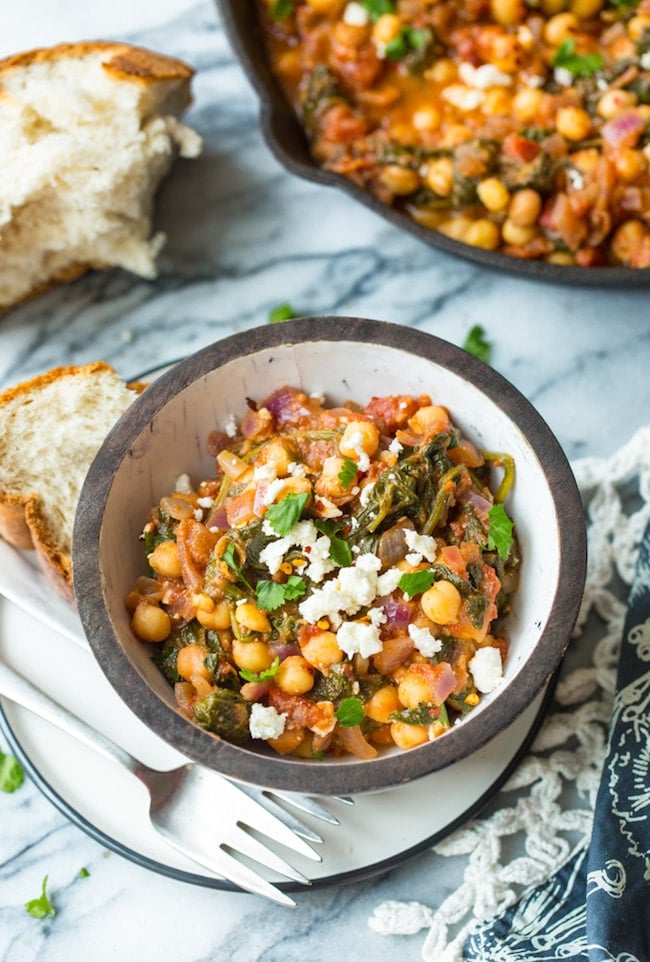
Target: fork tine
(272, 805)
(308, 805)
(245, 843)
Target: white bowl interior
(175, 442)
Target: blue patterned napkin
(596, 908)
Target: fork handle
(17, 689)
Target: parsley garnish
(340, 551)
(281, 9)
(83, 872)
(580, 65)
(477, 344)
(500, 533)
(11, 773)
(350, 712)
(283, 515)
(416, 582)
(348, 472)
(271, 594)
(40, 907)
(407, 40)
(263, 675)
(377, 8)
(283, 312)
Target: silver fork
(183, 802)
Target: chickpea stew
(338, 586)
(513, 126)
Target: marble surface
(243, 236)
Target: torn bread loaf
(51, 427)
(87, 133)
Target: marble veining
(243, 236)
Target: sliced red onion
(444, 684)
(624, 129)
(398, 613)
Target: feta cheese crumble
(421, 544)
(355, 15)
(183, 484)
(486, 669)
(230, 426)
(487, 75)
(358, 637)
(266, 722)
(426, 643)
(353, 588)
(356, 443)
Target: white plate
(378, 832)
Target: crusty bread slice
(87, 132)
(51, 427)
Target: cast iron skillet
(286, 138)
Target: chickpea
(427, 416)
(381, 705)
(455, 134)
(322, 651)
(630, 164)
(216, 620)
(329, 485)
(443, 71)
(295, 485)
(413, 690)
(441, 603)
(151, 623)
(251, 617)
(559, 28)
(388, 27)
(483, 233)
(493, 194)
(440, 176)
(613, 102)
(288, 741)
(586, 9)
(408, 736)
(325, 6)
(496, 103)
(295, 675)
(574, 123)
(359, 437)
(191, 662)
(505, 53)
(561, 257)
(517, 236)
(427, 118)
(527, 103)
(455, 227)
(585, 160)
(165, 561)
(399, 180)
(637, 26)
(276, 456)
(628, 238)
(507, 12)
(552, 7)
(525, 207)
(251, 655)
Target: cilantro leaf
(272, 594)
(283, 515)
(477, 344)
(377, 8)
(230, 558)
(83, 872)
(350, 712)
(408, 40)
(348, 472)
(283, 312)
(263, 675)
(500, 533)
(281, 9)
(416, 582)
(580, 65)
(11, 773)
(40, 907)
(340, 551)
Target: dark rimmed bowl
(164, 434)
(287, 140)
